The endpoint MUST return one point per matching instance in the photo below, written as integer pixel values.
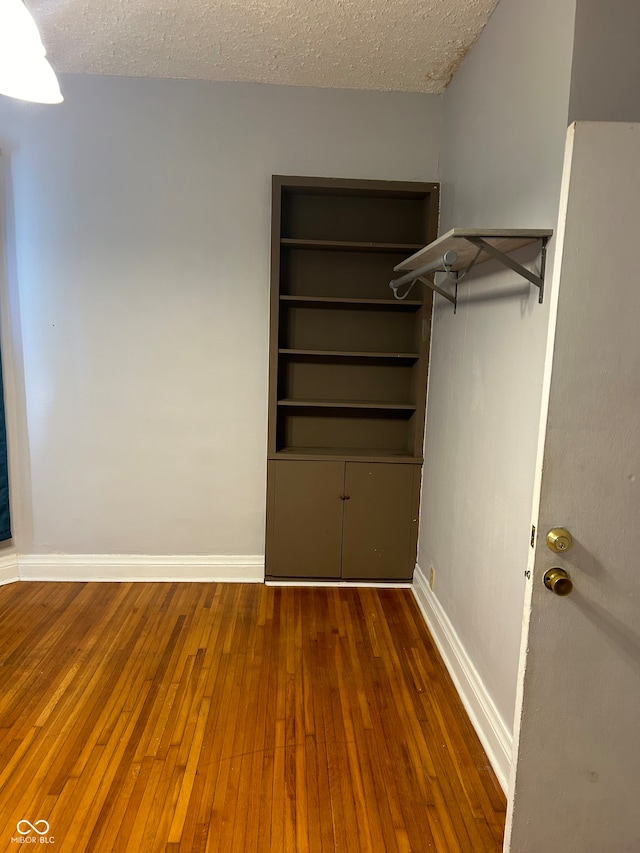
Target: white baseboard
(136, 567)
(9, 569)
(489, 725)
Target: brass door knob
(558, 581)
(559, 540)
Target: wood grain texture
(213, 717)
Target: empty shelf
(505, 240)
(459, 250)
(322, 353)
(357, 454)
(346, 246)
(348, 404)
(346, 302)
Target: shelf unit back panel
(381, 218)
(323, 379)
(348, 328)
(302, 429)
(359, 275)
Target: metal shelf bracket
(505, 260)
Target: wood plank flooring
(233, 717)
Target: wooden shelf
(460, 249)
(345, 302)
(346, 246)
(505, 240)
(322, 353)
(347, 454)
(349, 404)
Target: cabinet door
(304, 508)
(380, 521)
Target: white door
(575, 787)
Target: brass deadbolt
(558, 581)
(559, 540)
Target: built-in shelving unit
(460, 249)
(348, 377)
(348, 361)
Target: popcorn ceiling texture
(384, 45)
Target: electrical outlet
(432, 578)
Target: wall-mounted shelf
(459, 250)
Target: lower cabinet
(342, 520)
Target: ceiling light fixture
(25, 72)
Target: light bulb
(25, 72)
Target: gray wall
(605, 83)
(137, 234)
(504, 125)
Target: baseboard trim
(489, 725)
(136, 567)
(9, 569)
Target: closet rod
(443, 264)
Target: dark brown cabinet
(348, 373)
(304, 519)
(380, 521)
(349, 520)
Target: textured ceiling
(398, 45)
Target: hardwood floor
(233, 717)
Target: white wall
(504, 124)
(138, 229)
